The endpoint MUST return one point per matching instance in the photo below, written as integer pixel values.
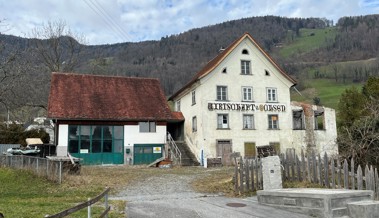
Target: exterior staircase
(188, 158)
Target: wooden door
(224, 150)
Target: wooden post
(352, 174)
(326, 170)
(235, 175)
(303, 168)
(298, 168)
(241, 175)
(339, 172)
(257, 172)
(314, 166)
(319, 169)
(106, 202)
(293, 161)
(367, 178)
(252, 174)
(60, 172)
(89, 209)
(345, 175)
(359, 178)
(247, 174)
(376, 184)
(332, 166)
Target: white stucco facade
(132, 137)
(257, 98)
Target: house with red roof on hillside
(240, 102)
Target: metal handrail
(174, 148)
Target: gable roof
(211, 65)
(90, 97)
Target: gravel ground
(163, 186)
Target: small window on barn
(298, 119)
(147, 126)
(224, 70)
(267, 73)
(319, 119)
(245, 52)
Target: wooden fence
(323, 170)
(84, 205)
(52, 170)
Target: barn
(109, 119)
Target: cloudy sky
(113, 21)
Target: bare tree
(57, 47)
(12, 67)
(361, 140)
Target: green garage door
(97, 144)
(147, 153)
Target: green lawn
(327, 90)
(309, 39)
(24, 195)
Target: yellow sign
(157, 150)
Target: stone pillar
(271, 170)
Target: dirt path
(164, 186)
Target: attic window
(245, 51)
(224, 70)
(267, 73)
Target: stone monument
(272, 174)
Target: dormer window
(245, 52)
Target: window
(178, 105)
(96, 139)
(271, 95)
(222, 121)
(248, 121)
(193, 97)
(247, 94)
(245, 51)
(194, 124)
(273, 121)
(319, 119)
(250, 150)
(298, 120)
(245, 67)
(276, 146)
(147, 126)
(222, 93)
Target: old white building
(240, 101)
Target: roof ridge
(103, 75)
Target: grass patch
(303, 184)
(24, 195)
(309, 40)
(327, 90)
(216, 181)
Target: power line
(109, 21)
(124, 33)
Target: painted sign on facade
(243, 106)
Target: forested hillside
(315, 49)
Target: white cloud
(111, 21)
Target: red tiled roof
(80, 96)
(177, 115)
(221, 56)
